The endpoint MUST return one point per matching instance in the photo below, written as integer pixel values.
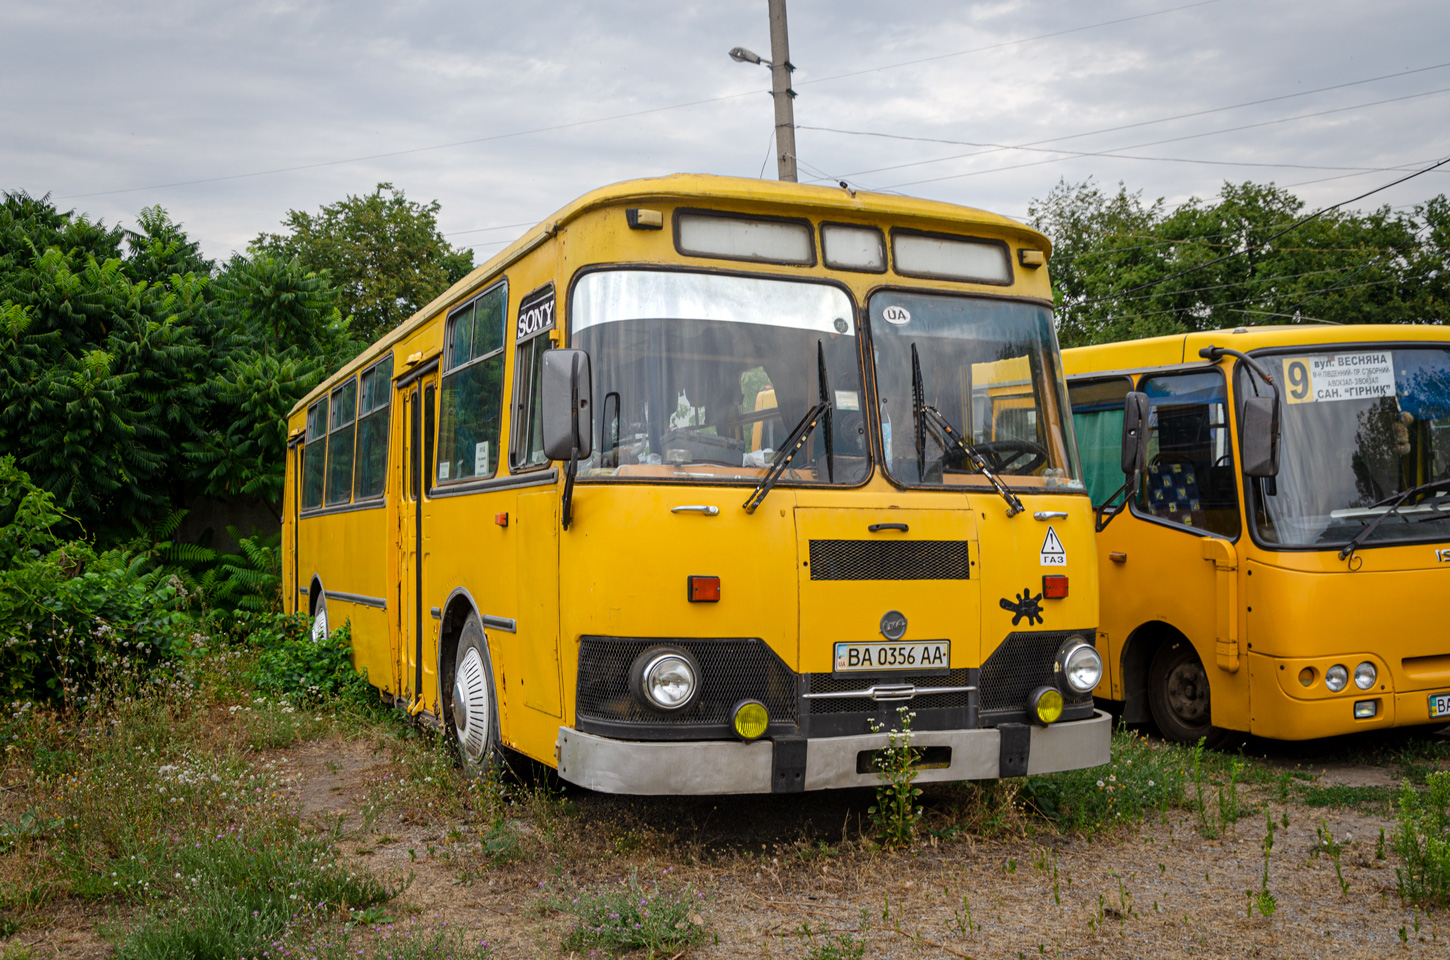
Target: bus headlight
(665, 678)
(1336, 677)
(1045, 705)
(1365, 675)
(1079, 665)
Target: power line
(1135, 146)
(1238, 253)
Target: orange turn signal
(704, 589)
(1054, 586)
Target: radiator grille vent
(1021, 664)
(890, 560)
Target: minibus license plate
(1439, 704)
(921, 655)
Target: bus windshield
(1361, 426)
(989, 368)
(704, 376)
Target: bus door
(415, 401)
(538, 599)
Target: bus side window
(1097, 419)
(472, 389)
(314, 454)
(1190, 476)
(372, 430)
(535, 323)
(340, 443)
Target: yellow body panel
(620, 569)
(1256, 616)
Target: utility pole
(780, 70)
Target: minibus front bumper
(821, 763)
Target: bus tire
(1178, 693)
(319, 619)
(473, 705)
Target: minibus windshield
(989, 368)
(703, 376)
(1361, 425)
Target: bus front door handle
(1050, 515)
(706, 509)
(878, 527)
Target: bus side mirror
(1135, 433)
(1259, 437)
(567, 391)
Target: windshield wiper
(1394, 507)
(924, 414)
(799, 435)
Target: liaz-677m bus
(1282, 561)
(702, 479)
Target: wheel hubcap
(319, 625)
(1187, 689)
(470, 705)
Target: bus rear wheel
(1178, 694)
(319, 619)
(473, 708)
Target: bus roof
(1182, 348)
(686, 186)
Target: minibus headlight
(1045, 705)
(1365, 675)
(665, 678)
(750, 719)
(1079, 665)
(1336, 677)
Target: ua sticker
(896, 314)
(1053, 555)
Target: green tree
(384, 254)
(1116, 262)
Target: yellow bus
(627, 499)
(1280, 565)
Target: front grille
(830, 683)
(890, 560)
(730, 671)
(1022, 663)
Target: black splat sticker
(1026, 605)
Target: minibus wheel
(1178, 694)
(473, 707)
(319, 619)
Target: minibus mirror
(1135, 432)
(568, 416)
(1259, 437)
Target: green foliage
(1347, 267)
(248, 581)
(1422, 841)
(896, 813)
(1143, 776)
(384, 254)
(72, 618)
(133, 382)
(659, 918)
(294, 665)
(839, 946)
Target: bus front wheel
(473, 714)
(1178, 693)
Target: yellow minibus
(696, 485)
(1281, 556)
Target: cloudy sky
(229, 114)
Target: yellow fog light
(1046, 705)
(751, 719)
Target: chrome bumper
(783, 766)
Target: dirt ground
(783, 874)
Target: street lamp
(780, 70)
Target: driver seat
(1173, 494)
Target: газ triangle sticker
(1053, 555)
